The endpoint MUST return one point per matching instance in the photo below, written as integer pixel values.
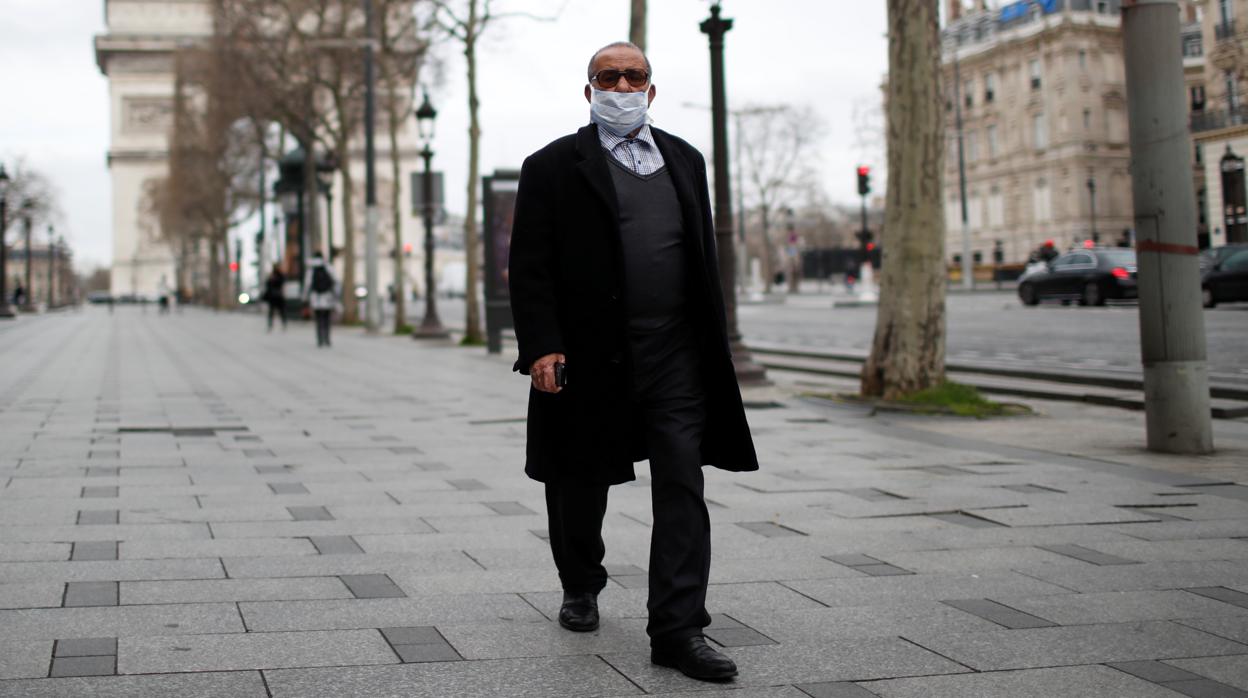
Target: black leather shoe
(579, 612)
(695, 659)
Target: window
(1232, 91)
(996, 208)
(990, 87)
(990, 135)
(1042, 202)
(968, 93)
(1039, 132)
(1083, 59)
(972, 147)
(1102, 7)
(1087, 120)
(1197, 93)
(1226, 11)
(1074, 260)
(1193, 46)
(1034, 71)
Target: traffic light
(866, 239)
(864, 180)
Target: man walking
(620, 322)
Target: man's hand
(542, 372)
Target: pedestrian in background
(320, 292)
(620, 322)
(274, 295)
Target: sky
(830, 55)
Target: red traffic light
(863, 170)
(870, 246)
(233, 266)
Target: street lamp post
(747, 371)
(372, 305)
(431, 325)
(1092, 199)
(51, 267)
(5, 310)
(27, 225)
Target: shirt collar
(609, 140)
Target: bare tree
(464, 21)
(401, 53)
(777, 143)
(637, 24)
(28, 194)
(908, 352)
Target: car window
(1074, 260)
(1236, 262)
(1117, 258)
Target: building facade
(1220, 126)
(1041, 90)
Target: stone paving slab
(235, 684)
(1227, 625)
(1232, 671)
(384, 613)
(24, 659)
(1099, 681)
(164, 655)
(1120, 606)
(1087, 644)
(123, 570)
(117, 621)
(121, 532)
(557, 677)
(232, 590)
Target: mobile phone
(561, 374)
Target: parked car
(97, 297)
(1090, 276)
(1216, 255)
(1226, 281)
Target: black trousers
(671, 408)
(277, 308)
(322, 327)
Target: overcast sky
(828, 54)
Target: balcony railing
(1224, 30)
(1214, 120)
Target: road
(995, 327)
(987, 327)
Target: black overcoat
(566, 277)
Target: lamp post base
(749, 374)
(430, 330)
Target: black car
(1090, 276)
(1226, 280)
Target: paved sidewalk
(192, 507)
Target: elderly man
(620, 321)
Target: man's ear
(588, 91)
(650, 93)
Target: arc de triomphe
(136, 54)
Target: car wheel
(1092, 295)
(1206, 297)
(1027, 294)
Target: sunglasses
(611, 78)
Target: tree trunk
(908, 353)
(472, 319)
(769, 273)
(637, 24)
(350, 304)
(396, 203)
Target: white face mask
(620, 113)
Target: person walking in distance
(619, 318)
(274, 295)
(320, 293)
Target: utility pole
(968, 264)
(1092, 200)
(5, 310)
(28, 299)
(1172, 324)
(748, 372)
(372, 306)
(51, 267)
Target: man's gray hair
(617, 44)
